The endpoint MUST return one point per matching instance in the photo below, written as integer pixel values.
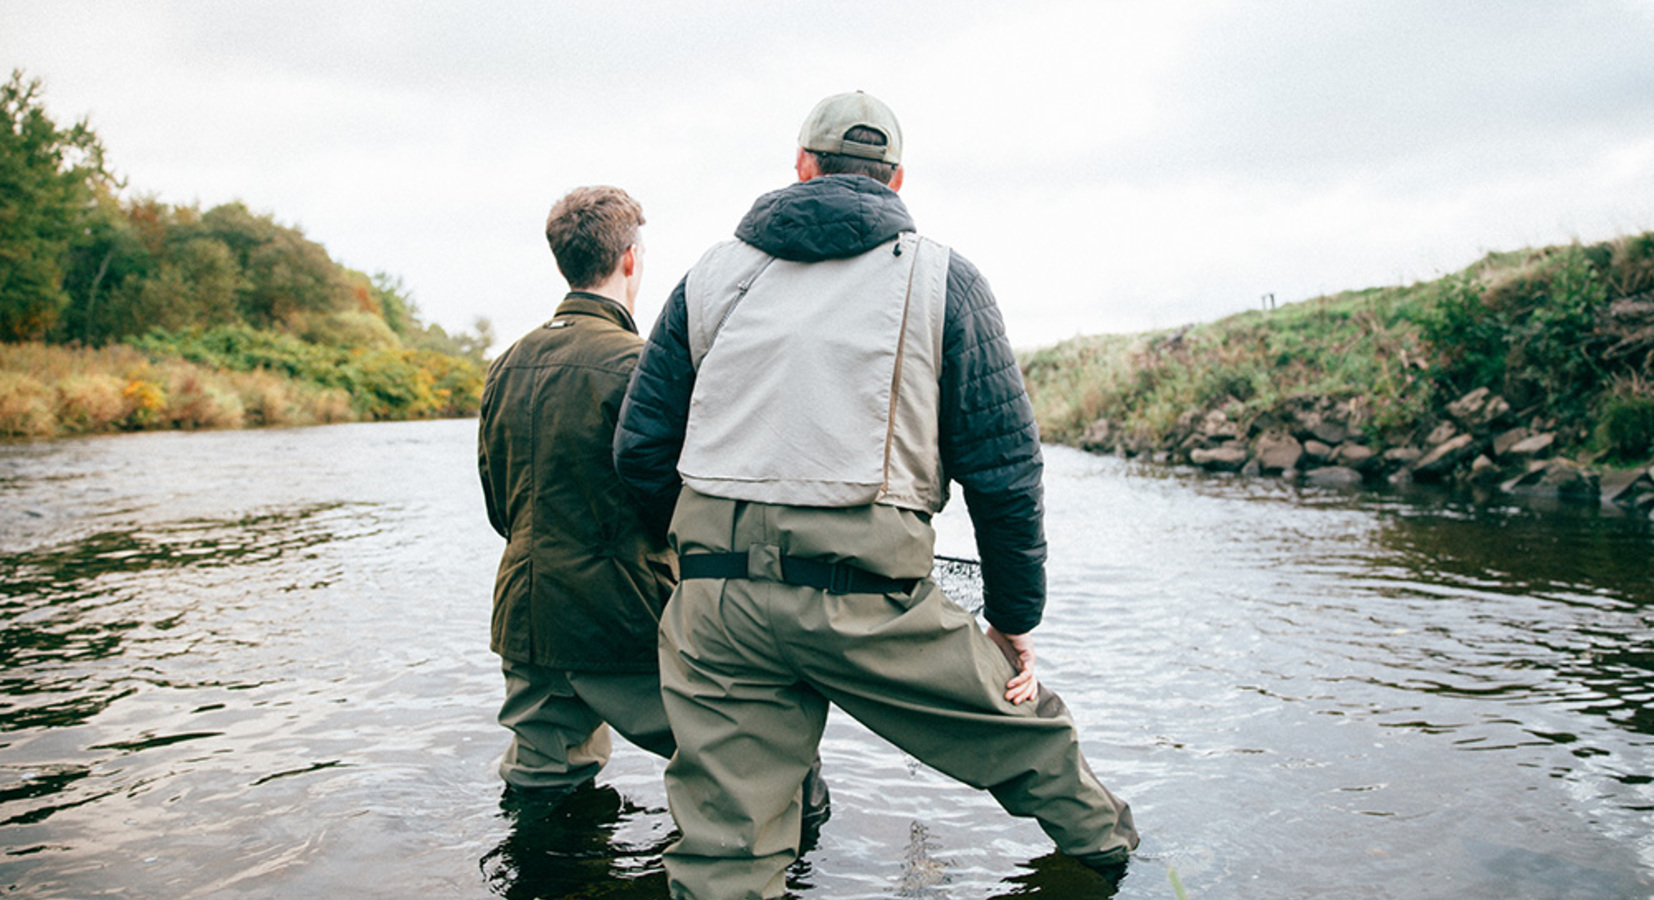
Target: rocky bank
(1478, 442)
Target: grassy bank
(48, 390)
(227, 378)
(121, 312)
(1556, 341)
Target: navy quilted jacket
(990, 444)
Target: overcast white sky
(1110, 167)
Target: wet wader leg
(558, 741)
(747, 735)
(630, 703)
(920, 673)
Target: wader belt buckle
(839, 578)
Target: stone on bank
(1475, 443)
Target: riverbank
(124, 313)
(1530, 372)
(51, 390)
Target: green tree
(108, 253)
(48, 190)
(193, 284)
(149, 265)
(396, 305)
(286, 277)
(472, 346)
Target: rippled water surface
(254, 664)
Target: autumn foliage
(125, 312)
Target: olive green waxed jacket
(583, 579)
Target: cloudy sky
(1110, 167)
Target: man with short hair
(584, 577)
(804, 401)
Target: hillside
(1530, 370)
(120, 312)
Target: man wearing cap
(804, 401)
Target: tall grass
(1565, 334)
(48, 390)
(1347, 346)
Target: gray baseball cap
(824, 129)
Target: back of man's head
(589, 230)
(853, 134)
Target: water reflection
(69, 607)
(1057, 877)
(592, 843)
(1519, 551)
(48, 782)
(1524, 608)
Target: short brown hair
(589, 231)
(840, 164)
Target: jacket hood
(831, 217)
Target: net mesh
(961, 580)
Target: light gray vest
(817, 384)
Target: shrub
(1559, 345)
(224, 378)
(194, 401)
(382, 381)
(1632, 264)
(144, 402)
(266, 399)
(386, 384)
(352, 328)
(25, 406)
(270, 400)
(1627, 428)
(331, 405)
(1526, 329)
(456, 381)
(1468, 337)
(91, 402)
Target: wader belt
(834, 578)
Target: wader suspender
(901, 347)
(741, 289)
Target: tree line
(82, 264)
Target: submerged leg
(747, 740)
(919, 672)
(557, 740)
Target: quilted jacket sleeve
(649, 436)
(990, 446)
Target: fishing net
(961, 580)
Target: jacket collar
(585, 303)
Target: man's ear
(806, 165)
(896, 180)
(629, 261)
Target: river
(254, 664)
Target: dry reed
(48, 390)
